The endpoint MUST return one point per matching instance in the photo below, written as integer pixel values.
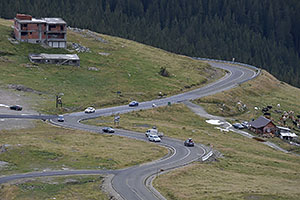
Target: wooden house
(263, 126)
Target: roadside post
(59, 100)
(117, 120)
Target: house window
(24, 33)
(51, 27)
(61, 27)
(24, 26)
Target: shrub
(164, 72)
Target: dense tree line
(265, 33)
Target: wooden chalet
(263, 126)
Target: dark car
(108, 130)
(189, 142)
(133, 103)
(16, 107)
(238, 126)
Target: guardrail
(207, 156)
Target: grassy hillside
(67, 187)
(263, 91)
(123, 65)
(249, 169)
(46, 147)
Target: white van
(153, 131)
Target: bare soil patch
(8, 98)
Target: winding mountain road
(134, 183)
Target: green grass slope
(66, 187)
(249, 169)
(260, 92)
(263, 91)
(123, 65)
(47, 147)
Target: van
(153, 132)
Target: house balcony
(56, 39)
(57, 31)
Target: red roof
(23, 17)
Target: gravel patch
(23, 88)
(3, 164)
(8, 98)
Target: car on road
(16, 107)
(60, 118)
(238, 126)
(108, 130)
(89, 110)
(133, 103)
(189, 142)
(154, 138)
(154, 131)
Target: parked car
(154, 138)
(153, 131)
(189, 142)
(238, 126)
(16, 107)
(245, 124)
(133, 103)
(60, 118)
(89, 110)
(108, 130)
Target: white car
(89, 110)
(154, 138)
(60, 118)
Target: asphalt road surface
(131, 183)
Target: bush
(164, 72)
